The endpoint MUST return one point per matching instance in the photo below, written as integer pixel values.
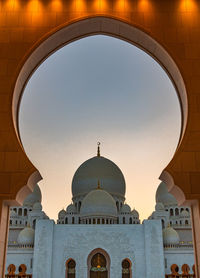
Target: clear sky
(100, 89)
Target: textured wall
(139, 243)
(17, 257)
(179, 258)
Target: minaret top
(98, 148)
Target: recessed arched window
(34, 223)
(20, 211)
(10, 222)
(171, 212)
(117, 204)
(185, 270)
(79, 206)
(66, 220)
(130, 220)
(70, 269)
(163, 223)
(98, 267)
(175, 270)
(11, 270)
(25, 212)
(72, 220)
(186, 222)
(176, 211)
(126, 269)
(22, 270)
(123, 220)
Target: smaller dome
(159, 207)
(37, 207)
(163, 196)
(98, 202)
(71, 209)
(135, 213)
(125, 209)
(26, 236)
(184, 214)
(13, 213)
(34, 197)
(61, 214)
(170, 236)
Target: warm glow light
(188, 6)
(56, 5)
(100, 5)
(145, 6)
(189, 10)
(12, 5)
(122, 6)
(34, 12)
(80, 5)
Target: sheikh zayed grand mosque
(99, 235)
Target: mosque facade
(98, 235)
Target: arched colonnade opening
(12, 269)
(98, 263)
(105, 26)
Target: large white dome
(34, 197)
(164, 197)
(98, 202)
(97, 169)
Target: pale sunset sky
(100, 89)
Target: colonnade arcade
(31, 30)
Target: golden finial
(98, 148)
(98, 185)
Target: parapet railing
(180, 276)
(18, 276)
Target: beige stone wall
(174, 25)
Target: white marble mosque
(98, 235)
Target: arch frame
(90, 256)
(131, 265)
(66, 268)
(88, 26)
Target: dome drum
(98, 220)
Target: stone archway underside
(172, 38)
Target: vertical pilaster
(196, 234)
(4, 227)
